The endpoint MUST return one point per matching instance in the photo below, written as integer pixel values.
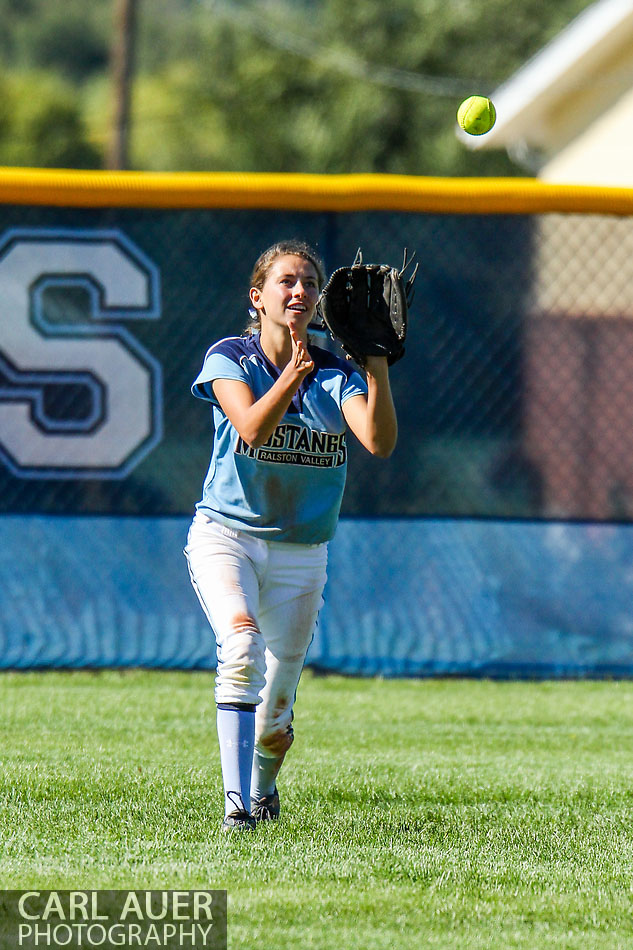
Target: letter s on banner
(123, 380)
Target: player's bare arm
(373, 419)
(256, 420)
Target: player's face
(290, 292)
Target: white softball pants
(262, 599)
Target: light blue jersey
(291, 488)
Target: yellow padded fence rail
(303, 192)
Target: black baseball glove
(365, 308)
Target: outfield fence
(498, 538)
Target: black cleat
(266, 808)
(238, 820)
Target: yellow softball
(476, 115)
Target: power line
(251, 20)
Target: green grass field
(441, 813)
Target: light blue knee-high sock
(264, 777)
(236, 733)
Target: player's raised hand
(300, 360)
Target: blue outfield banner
(445, 597)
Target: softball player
(257, 546)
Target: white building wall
(601, 155)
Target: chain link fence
(515, 397)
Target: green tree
(270, 85)
(66, 42)
(339, 87)
(41, 124)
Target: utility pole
(121, 70)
